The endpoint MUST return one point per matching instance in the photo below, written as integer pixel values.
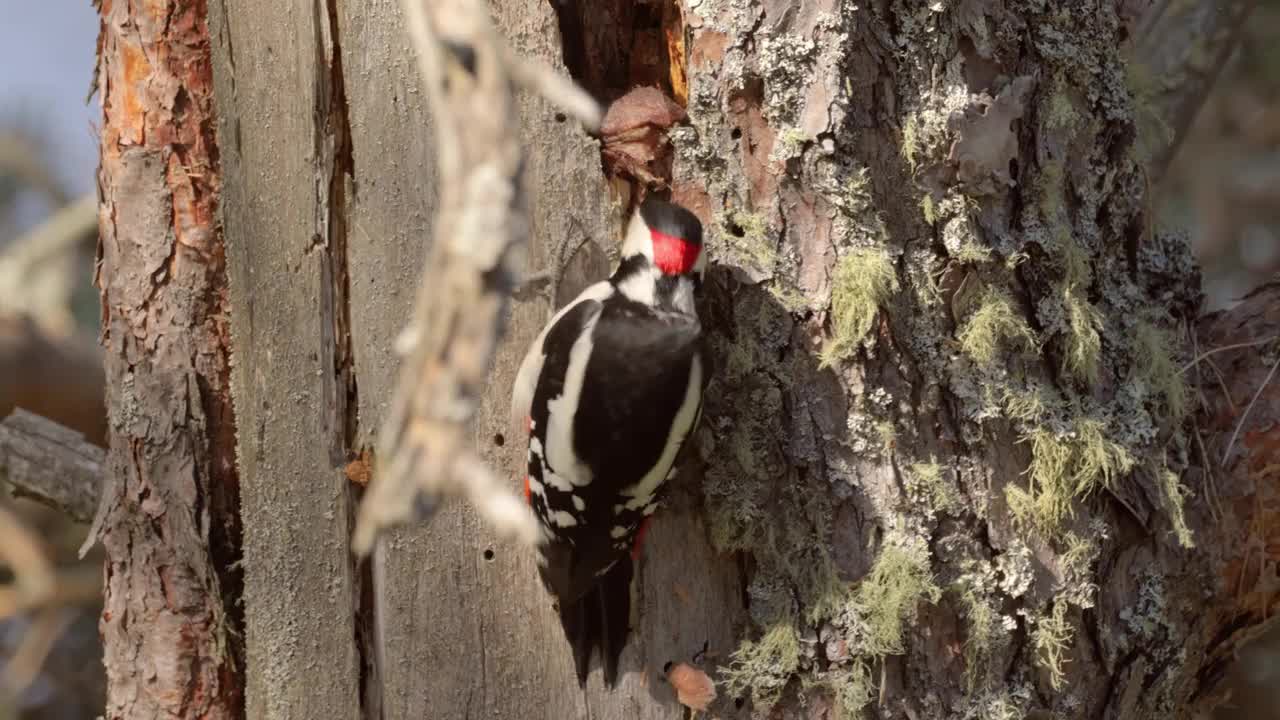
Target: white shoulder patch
(531, 366)
(562, 408)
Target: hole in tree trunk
(612, 46)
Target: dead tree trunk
(956, 459)
(168, 513)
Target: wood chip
(694, 688)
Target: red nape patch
(640, 533)
(673, 255)
(528, 499)
(528, 423)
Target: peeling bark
(169, 513)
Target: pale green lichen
(822, 589)
(1062, 113)
(1076, 584)
(971, 253)
(1173, 497)
(790, 143)
(1153, 363)
(1052, 639)
(857, 198)
(1049, 185)
(888, 598)
(911, 141)
(928, 210)
(765, 666)
(1077, 555)
(854, 690)
(1029, 406)
(748, 235)
(1084, 343)
(983, 623)
(1065, 467)
(995, 323)
(886, 434)
(864, 280)
(926, 485)
(1083, 354)
(1000, 708)
(790, 296)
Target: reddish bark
(168, 518)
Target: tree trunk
(168, 513)
(951, 462)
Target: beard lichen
(864, 280)
(1065, 466)
(764, 667)
(994, 325)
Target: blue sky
(46, 60)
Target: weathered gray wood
(392, 199)
(50, 463)
(466, 636)
(278, 134)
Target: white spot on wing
(578, 503)
(531, 367)
(617, 531)
(561, 409)
(560, 518)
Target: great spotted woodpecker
(608, 393)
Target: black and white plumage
(609, 392)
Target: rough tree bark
(956, 459)
(167, 518)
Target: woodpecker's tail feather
(600, 619)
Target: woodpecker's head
(668, 236)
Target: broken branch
(1180, 49)
(51, 464)
(481, 229)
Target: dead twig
(25, 663)
(1234, 346)
(481, 229)
(70, 586)
(51, 464)
(1180, 49)
(1236, 433)
(22, 551)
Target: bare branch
(20, 157)
(37, 271)
(1177, 56)
(66, 228)
(24, 554)
(50, 463)
(480, 234)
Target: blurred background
(1224, 188)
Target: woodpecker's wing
(611, 409)
(531, 366)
